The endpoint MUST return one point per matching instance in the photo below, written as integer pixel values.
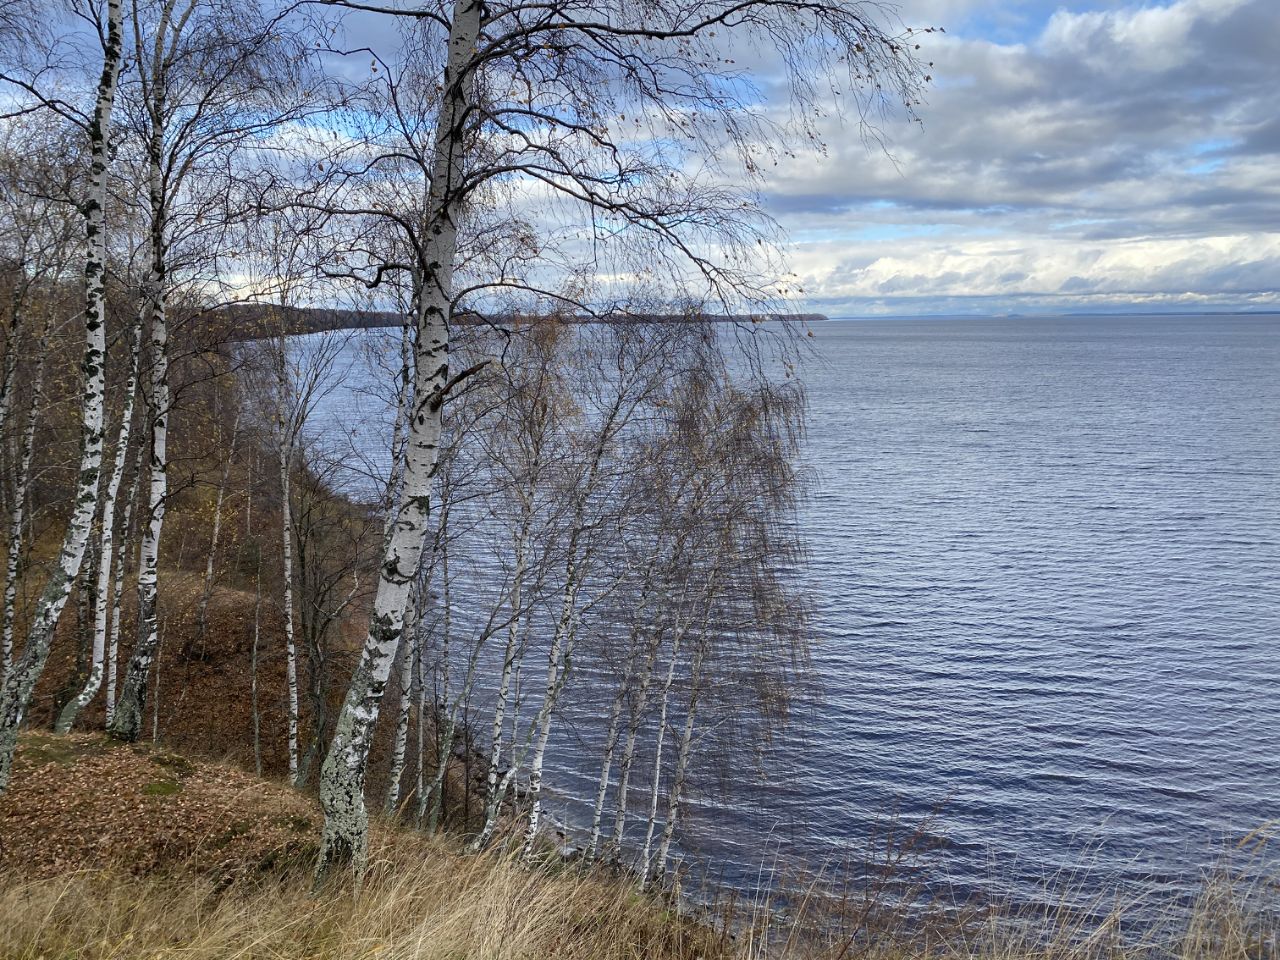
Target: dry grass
(99, 862)
(426, 901)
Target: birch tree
(102, 593)
(537, 93)
(20, 680)
(211, 81)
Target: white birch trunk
(400, 743)
(678, 778)
(343, 775)
(126, 724)
(127, 719)
(493, 799)
(606, 768)
(646, 852)
(409, 643)
(20, 679)
(284, 440)
(558, 660)
(117, 588)
(626, 762)
(614, 731)
(17, 517)
(73, 707)
(421, 771)
(518, 750)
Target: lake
(1044, 564)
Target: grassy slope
(109, 850)
(115, 851)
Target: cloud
(1072, 155)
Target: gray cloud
(1108, 130)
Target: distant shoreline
(252, 321)
(1137, 315)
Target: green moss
(162, 788)
(40, 749)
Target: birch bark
(409, 651)
(647, 850)
(17, 516)
(558, 660)
(105, 568)
(127, 719)
(342, 778)
(117, 589)
(676, 797)
(284, 450)
(400, 742)
(20, 679)
(493, 798)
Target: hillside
(110, 850)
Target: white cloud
(1146, 39)
(1129, 154)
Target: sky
(1073, 157)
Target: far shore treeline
(254, 321)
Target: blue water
(1044, 567)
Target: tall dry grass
(425, 900)
(422, 900)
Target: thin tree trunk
(606, 767)
(514, 761)
(647, 850)
(420, 697)
(69, 713)
(342, 778)
(207, 592)
(460, 702)
(627, 760)
(17, 518)
(17, 326)
(117, 589)
(155, 700)
(682, 631)
(682, 767)
(493, 799)
(253, 671)
(614, 731)
(20, 679)
(575, 573)
(285, 439)
(443, 749)
(126, 723)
